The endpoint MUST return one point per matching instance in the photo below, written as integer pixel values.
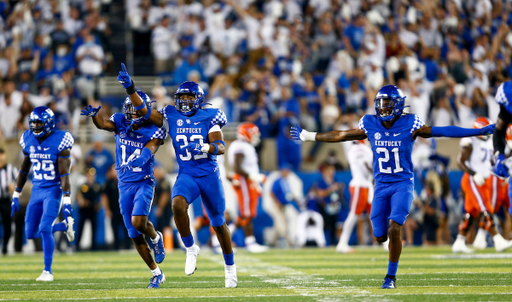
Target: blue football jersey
(504, 95)
(129, 145)
(44, 156)
(391, 147)
(184, 129)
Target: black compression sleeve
(498, 138)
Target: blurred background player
(247, 181)
(8, 175)
(482, 190)
(47, 152)
(197, 140)
(162, 199)
(391, 134)
(136, 143)
(88, 206)
(359, 157)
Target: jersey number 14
(385, 159)
(133, 156)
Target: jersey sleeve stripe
(160, 134)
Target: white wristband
(66, 199)
(16, 194)
(205, 148)
(309, 136)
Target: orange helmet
(508, 136)
(481, 122)
(248, 132)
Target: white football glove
(257, 177)
(479, 179)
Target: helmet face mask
(41, 121)
(389, 103)
(188, 98)
(129, 111)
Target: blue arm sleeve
(143, 158)
(454, 131)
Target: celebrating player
(197, 139)
(247, 180)
(481, 192)
(391, 134)
(359, 157)
(48, 152)
(136, 143)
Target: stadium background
(275, 63)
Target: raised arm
(335, 136)
(64, 162)
(153, 116)
(20, 183)
(451, 131)
(98, 121)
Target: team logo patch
(387, 133)
(188, 122)
(377, 135)
(122, 134)
(179, 122)
(32, 149)
(38, 147)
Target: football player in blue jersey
(47, 152)
(391, 134)
(197, 140)
(136, 143)
(504, 99)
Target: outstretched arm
(451, 131)
(335, 136)
(153, 116)
(98, 121)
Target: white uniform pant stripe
(246, 211)
(355, 199)
(494, 193)
(479, 198)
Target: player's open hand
(90, 111)
(487, 130)
(500, 169)
(15, 205)
(124, 77)
(295, 132)
(193, 148)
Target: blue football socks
(188, 241)
(392, 268)
(48, 247)
(229, 259)
(59, 227)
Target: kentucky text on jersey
(388, 143)
(189, 130)
(40, 156)
(131, 143)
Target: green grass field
(425, 274)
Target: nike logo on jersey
(46, 149)
(197, 123)
(396, 134)
(140, 136)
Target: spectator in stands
(288, 150)
(165, 46)
(163, 211)
(90, 58)
(59, 35)
(99, 158)
(188, 64)
(10, 104)
(141, 28)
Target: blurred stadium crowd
(274, 63)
